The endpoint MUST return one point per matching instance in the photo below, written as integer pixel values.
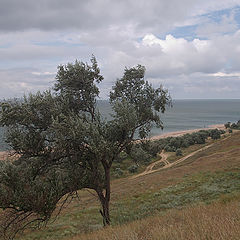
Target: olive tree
(63, 144)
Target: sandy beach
(181, 133)
(5, 155)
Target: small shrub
(138, 155)
(118, 172)
(151, 147)
(198, 138)
(133, 168)
(185, 143)
(222, 131)
(215, 134)
(179, 152)
(168, 148)
(227, 125)
(234, 126)
(122, 156)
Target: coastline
(181, 133)
(5, 154)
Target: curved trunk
(105, 212)
(105, 199)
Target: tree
(238, 123)
(227, 125)
(139, 156)
(234, 126)
(64, 145)
(215, 134)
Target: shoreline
(5, 154)
(182, 132)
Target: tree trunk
(105, 199)
(105, 212)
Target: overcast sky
(192, 47)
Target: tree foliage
(64, 145)
(235, 126)
(172, 144)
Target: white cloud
(222, 74)
(179, 56)
(44, 73)
(35, 38)
(17, 82)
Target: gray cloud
(17, 82)
(37, 36)
(149, 15)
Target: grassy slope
(217, 221)
(204, 178)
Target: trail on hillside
(3, 156)
(163, 159)
(8, 155)
(188, 156)
(150, 167)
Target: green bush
(122, 156)
(215, 134)
(179, 152)
(118, 172)
(151, 147)
(138, 155)
(222, 131)
(227, 125)
(168, 148)
(185, 143)
(175, 142)
(198, 138)
(233, 125)
(133, 168)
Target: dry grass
(217, 221)
(190, 223)
(221, 156)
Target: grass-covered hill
(199, 198)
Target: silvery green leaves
(63, 142)
(145, 101)
(77, 83)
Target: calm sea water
(185, 114)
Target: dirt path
(186, 157)
(164, 156)
(7, 155)
(149, 168)
(3, 156)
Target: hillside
(186, 201)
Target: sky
(191, 47)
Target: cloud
(222, 74)
(35, 37)
(226, 25)
(43, 73)
(17, 82)
(179, 56)
(54, 15)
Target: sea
(183, 115)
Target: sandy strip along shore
(5, 155)
(181, 133)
